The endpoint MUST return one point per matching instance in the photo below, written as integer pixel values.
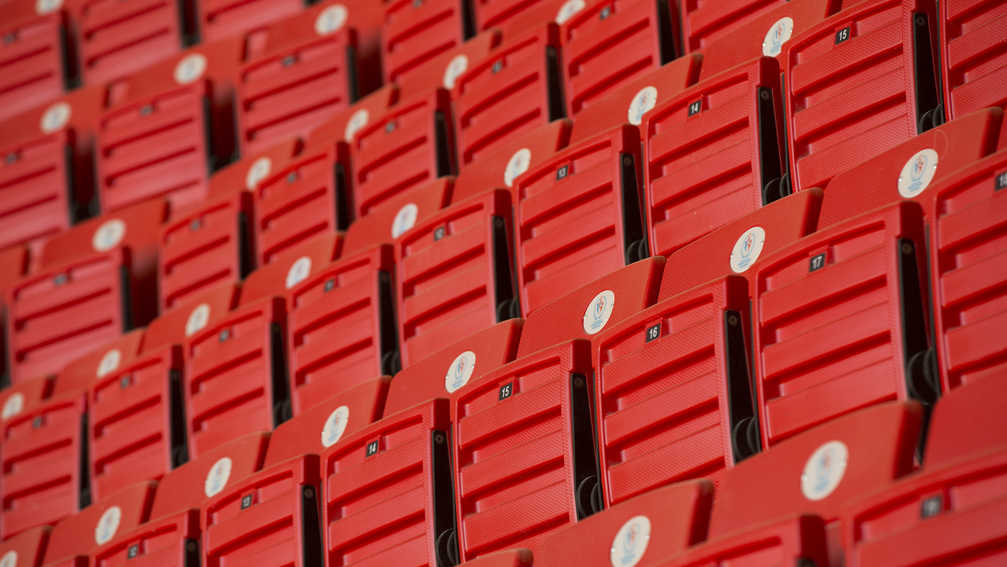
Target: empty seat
(972, 52)
(306, 73)
(78, 375)
(177, 324)
(908, 169)
(28, 394)
(857, 84)
(77, 535)
(509, 91)
(840, 322)
(647, 530)
(218, 19)
(525, 450)
(27, 548)
(37, 61)
(168, 541)
(713, 154)
(819, 471)
(398, 215)
(674, 391)
(409, 145)
(585, 311)
(246, 173)
(414, 32)
(136, 422)
(444, 69)
(578, 215)
(509, 558)
(454, 274)
(796, 541)
(513, 13)
(388, 491)
(341, 328)
(448, 370)
(968, 282)
(705, 22)
(610, 42)
(116, 39)
(44, 476)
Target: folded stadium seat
(507, 92)
(136, 422)
(388, 494)
(415, 32)
(454, 275)
(585, 311)
(514, 13)
(857, 84)
(116, 38)
(610, 42)
(410, 144)
(971, 49)
(398, 214)
(763, 32)
(306, 197)
(908, 169)
(39, 62)
(347, 124)
(444, 372)
(43, 469)
(191, 484)
(739, 246)
(341, 327)
(706, 21)
(673, 391)
(74, 537)
(78, 375)
(443, 69)
(219, 19)
(801, 540)
(169, 541)
(236, 366)
(841, 322)
(501, 166)
(204, 246)
(644, 531)
(578, 215)
(524, 450)
(630, 100)
(509, 558)
(14, 399)
(966, 234)
(819, 471)
(305, 73)
(274, 515)
(27, 548)
(177, 324)
(713, 154)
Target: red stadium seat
(525, 451)
(28, 394)
(415, 32)
(673, 391)
(610, 42)
(78, 375)
(168, 541)
(578, 214)
(291, 268)
(705, 22)
(38, 63)
(175, 325)
(509, 558)
(347, 124)
(971, 49)
(797, 541)
(713, 154)
(858, 84)
(399, 214)
(27, 548)
(513, 13)
(246, 173)
(585, 311)
(218, 19)
(136, 424)
(444, 69)
(388, 497)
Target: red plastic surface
(34, 64)
(973, 55)
(790, 542)
(186, 319)
(219, 19)
(444, 69)
(81, 533)
(170, 541)
(706, 21)
(28, 546)
(415, 32)
(511, 14)
(291, 268)
(38, 178)
(394, 217)
(78, 375)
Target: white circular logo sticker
(109, 363)
(259, 170)
(747, 249)
(198, 319)
(455, 68)
(630, 542)
(824, 470)
(12, 407)
(9, 559)
(335, 426)
(357, 121)
(405, 219)
(918, 173)
(217, 478)
(190, 68)
(644, 100)
(108, 235)
(599, 311)
(331, 19)
(568, 9)
(107, 525)
(460, 371)
(43, 7)
(55, 117)
(298, 271)
(777, 35)
(518, 164)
